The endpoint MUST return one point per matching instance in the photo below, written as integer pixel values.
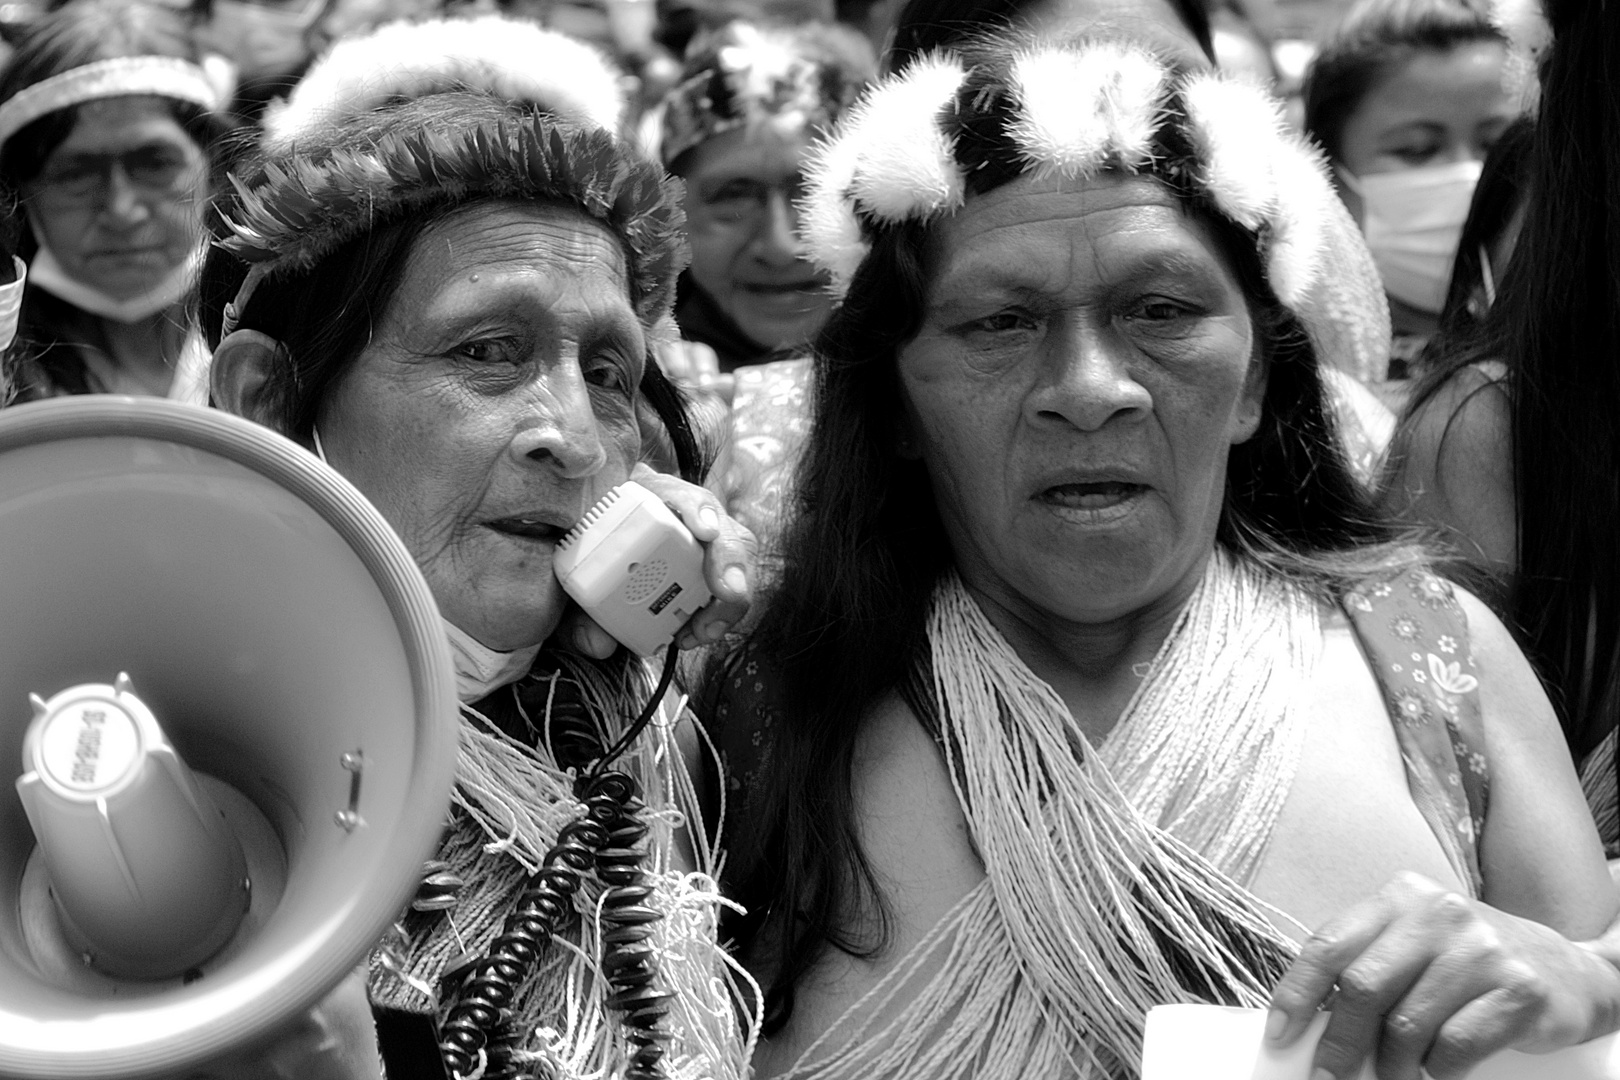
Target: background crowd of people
(1155, 460)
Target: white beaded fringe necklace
(1108, 874)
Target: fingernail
(1322, 1074)
(709, 518)
(735, 579)
(1276, 1024)
(714, 631)
(582, 639)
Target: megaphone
(291, 653)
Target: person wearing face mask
(13, 280)
(1406, 97)
(108, 128)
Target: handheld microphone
(634, 568)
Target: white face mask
(11, 303)
(48, 274)
(1412, 219)
(480, 670)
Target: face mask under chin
(47, 273)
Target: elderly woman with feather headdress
(1092, 682)
(444, 272)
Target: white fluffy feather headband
(920, 142)
(119, 76)
(515, 60)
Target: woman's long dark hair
(1557, 319)
(1497, 198)
(865, 550)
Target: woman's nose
(1086, 380)
(124, 204)
(559, 427)
(776, 241)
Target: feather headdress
(920, 143)
(300, 207)
(515, 60)
(1074, 110)
(743, 76)
(359, 145)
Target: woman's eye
(1158, 309)
(1415, 155)
(1003, 322)
(608, 375)
(485, 351)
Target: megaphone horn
(205, 846)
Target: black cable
(646, 716)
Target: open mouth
(529, 529)
(1098, 495)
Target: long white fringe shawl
(510, 802)
(1208, 747)
(509, 58)
(1048, 967)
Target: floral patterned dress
(770, 418)
(1415, 635)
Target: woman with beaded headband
(109, 129)
(737, 129)
(444, 274)
(1091, 682)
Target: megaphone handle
(409, 1043)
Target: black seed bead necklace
(607, 840)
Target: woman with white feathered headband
(444, 273)
(1092, 681)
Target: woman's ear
(1252, 405)
(240, 377)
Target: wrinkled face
(740, 190)
(493, 407)
(1438, 108)
(120, 200)
(1082, 370)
